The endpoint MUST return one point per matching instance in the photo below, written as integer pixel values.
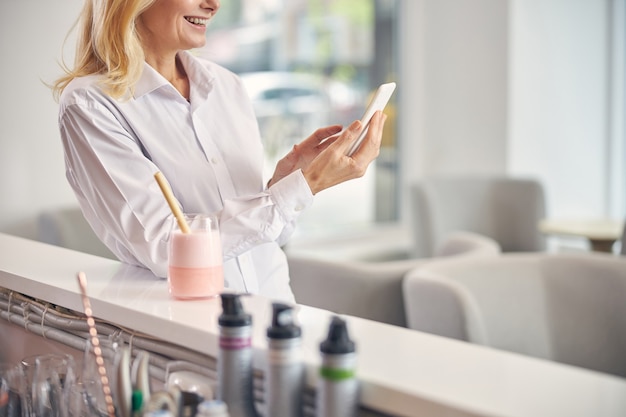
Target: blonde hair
(108, 44)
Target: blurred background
(530, 88)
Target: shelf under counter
(402, 372)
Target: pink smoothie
(187, 283)
(195, 265)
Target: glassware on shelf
(48, 380)
(191, 378)
(11, 390)
(92, 393)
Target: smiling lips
(197, 21)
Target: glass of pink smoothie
(195, 259)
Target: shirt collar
(149, 81)
(200, 77)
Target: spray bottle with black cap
(285, 372)
(337, 388)
(234, 362)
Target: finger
(322, 134)
(330, 139)
(369, 148)
(378, 127)
(327, 142)
(348, 136)
(376, 131)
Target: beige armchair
(568, 308)
(371, 290)
(505, 209)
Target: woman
(137, 102)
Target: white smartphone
(379, 101)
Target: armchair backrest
(505, 209)
(563, 307)
(371, 290)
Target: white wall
(518, 87)
(31, 159)
(558, 124)
(453, 92)
(454, 86)
(617, 100)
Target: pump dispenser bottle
(285, 372)
(234, 362)
(337, 388)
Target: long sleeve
(210, 152)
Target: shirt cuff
(292, 194)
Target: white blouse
(210, 151)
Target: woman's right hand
(332, 166)
(304, 152)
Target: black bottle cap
(338, 341)
(233, 314)
(283, 326)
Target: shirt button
(298, 208)
(214, 161)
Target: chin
(195, 44)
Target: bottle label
(235, 343)
(284, 356)
(336, 374)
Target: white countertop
(402, 372)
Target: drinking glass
(78, 401)
(90, 398)
(192, 381)
(11, 390)
(189, 377)
(27, 364)
(195, 266)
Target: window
(308, 64)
